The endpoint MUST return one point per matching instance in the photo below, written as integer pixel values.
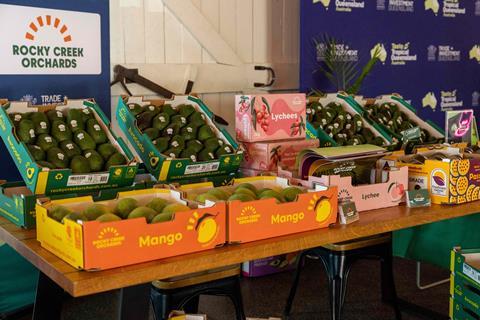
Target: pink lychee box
(366, 197)
(269, 155)
(270, 117)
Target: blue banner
(430, 49)
(50, 50)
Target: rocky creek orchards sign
(48, 41)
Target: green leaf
(254, 120)
(266, 104)
(252, 107)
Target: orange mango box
(95, 245)
(266, 218)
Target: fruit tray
(178, 139)
(266, 207)
(372, 196)
(336, 120)
(65, 148)
(394, 115)
(136, 226)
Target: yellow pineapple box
(95, 245)
(450, 176)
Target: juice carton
(270, 117)
(269, 155)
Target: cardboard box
(352, 107)
(265, 218)
(270, 117)
(17, 202)
(457, 311)
(270, 265)
(432, 129)
(450, 181)
(269, 155)
(180, 315)
(41, 180)
(97, 246)
(465, 278)
(163, 167)
(366, 196)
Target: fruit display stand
(279, 209)
(34, 134)
(326, 125)
(366, 196)
(88, 235)
(450, 176)
(394, 115)
(166, 156)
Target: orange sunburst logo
(108, 233)
(47, 21)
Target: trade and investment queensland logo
(46, 41)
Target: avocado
(16, 118)
(212, 144)
(45, 164)
(167, 108)
(61, 131)
(46, 141)
(189, 132)
(189, 154)
(197, 118)
(161, 121)
(55, 115)
(226, 149)
(172, 152)
(87, 114)
(152, 133)
(185, 109)
(135, 108)
(179, 119)
(161, 143)
(84, 140)
(177, 141)
(37, 153)
(195, 145)
(205, 132)
(80, 164)
(116, 159)
(171, 130)
(70, 148)
(40, 122)
(95, 160)
(152, 108)
(26, 131)
(95, 131)
(106, 150)
(57, 157)
(144, 120)
(75, 119)
(206, 155)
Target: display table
(57, 275)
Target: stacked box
(167, 166)
(41, 179)
(318, 127)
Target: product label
(417, 182)
(206, 167)
(471, 273)
(87, 179)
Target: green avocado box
(465, 278)
(17, 202)
(43, 180)
(166, 168)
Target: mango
(175, 207)
(248, 186)
(108, 217)
(95, 210)
(291, 193)
(219, 193)
(75, 216)
(203, 197)
(162, 217)
(157, 204)
(144, 212)
(125, 206)
(243, 197)
(271, 194)
(58, 213)
(246, 191)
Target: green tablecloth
(18, 279)
(433, 242)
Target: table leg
(134, 302)
(48, 299)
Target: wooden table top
(80, 283)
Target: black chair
(338, 259)
(183, 293)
